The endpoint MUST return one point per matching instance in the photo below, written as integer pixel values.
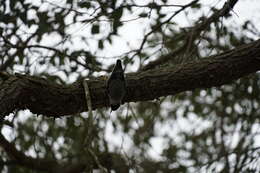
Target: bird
(116, 86)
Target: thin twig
(90, 114)
(161, 24)
(97, 161)
(194, 33)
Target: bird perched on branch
(116, 86)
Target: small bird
(116, 86)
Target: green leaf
(196, 5)
(100, 44)
(95, 29)
(85, 4)
(117, 14)
(143, 15)
(116, 24)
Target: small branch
(9, 162)
(194, 33)
(161, 24)
(103, 170)
(7, 63)
(152, 5)
(8, 123)
(50, 166)
(20, 158)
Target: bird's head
(118, 65)
(118, 62)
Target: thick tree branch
(43, 97)
(193, 34)
(108, 160)
(21, 159)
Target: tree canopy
(192, 101)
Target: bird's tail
(114, 107)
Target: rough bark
(41, 96)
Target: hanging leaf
(95, 29)
(100, 44)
